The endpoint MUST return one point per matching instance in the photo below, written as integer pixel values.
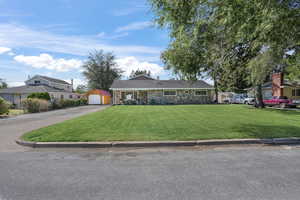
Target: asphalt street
(238, 172)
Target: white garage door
(94, 99)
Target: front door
(143, 97)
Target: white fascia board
(161, 88)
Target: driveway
(12, 128)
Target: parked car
(281, 101)
(296, 101)
(249, 100)
(238, 98)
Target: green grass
(182, 122)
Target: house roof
(159, 84)
(97, 91)
(268, 85)
(52, 79)
(291, 83)
(28, 89)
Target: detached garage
(98, 97)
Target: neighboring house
(57, 89)
(279, 87)
(145, 90)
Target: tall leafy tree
(233, 36)
(81, 89)
(3, 84)
(101, 70)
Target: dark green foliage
(3, 84)
(130, 102)
(153, 102)
(101, 70)
(4, 106)
(237, 43)
(81, 89)
(139, 72)
(68, 103)
(39, 95)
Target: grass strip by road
(177, 123)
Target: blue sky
(54, 37)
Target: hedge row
(39, 95)
(40, 105)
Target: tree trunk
(259, 97)
(216, 90)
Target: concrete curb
(275, 141)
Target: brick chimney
(277, 83)
(72, 84)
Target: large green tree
(81, 89)
(101, 70)
(232, 37)
(3, 84)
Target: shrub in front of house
(83, 101)
(57, 104)
(4, 106)
(153, 102)
(32, 105)
(39, 95)
(129, 102)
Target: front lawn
(180, 122)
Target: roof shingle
(54, 79)
(160, 84)
(28, 89)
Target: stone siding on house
(158, 97)
(181, 97)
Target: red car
(281, 101)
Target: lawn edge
(272, 141)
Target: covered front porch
(139, 96)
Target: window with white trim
(200, 93)
(170, 93)
(296, 92)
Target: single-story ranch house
(57, 89)
(146, 90)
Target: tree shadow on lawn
(278, 111)
(285, 112)
(267, 131)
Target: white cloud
(48, 62)
(130, 7)
(128, 64)
(15, 83)
(13, 35)
(134, 26)
(102, 34)
(77, 81)
(4, 50)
